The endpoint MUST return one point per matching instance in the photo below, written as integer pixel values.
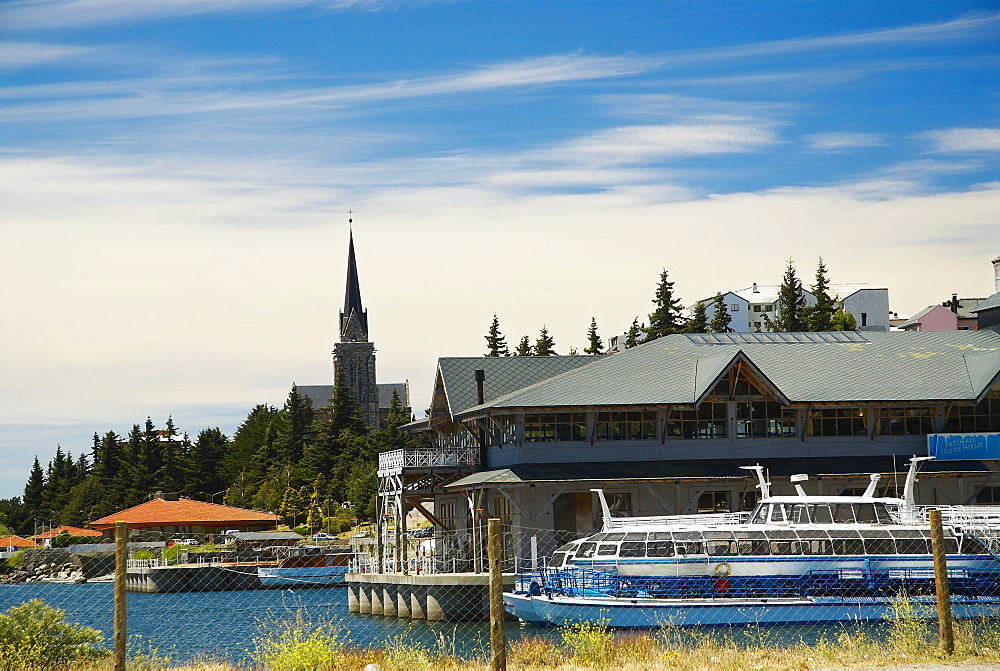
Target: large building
(664, 427)
(354, 358)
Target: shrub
(34, 636)
(296, 644)
(143, 553)
(592, 643)
(16, 560)
(532, 651)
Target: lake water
(223, 625)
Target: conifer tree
(721, 319)
(34, 490)
(397, 415)
(545, 345)
(207, 455)
(297, 429)
(843, 321)
(632, 337)
(791, 304)
(819, 317)
(666, 317)
(496, 343)
(595, 345)
(698, 323)
(523, 347)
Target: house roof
(264, 536)
(72, 531)
(15, 542)
(502, 375)
(988, 303)
(184, 512)
(805, 368)
(703, 469)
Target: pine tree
(297, 433)
(207, 455)
(34, 490)
(819, 317)
(595, 345)
(544, 346)
(666, 318)
(632, 338)
(791, 304)
(698, 323)
(397, 415)
(496, 343)
(721, 319)
(523, 347)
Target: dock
(192, 578)
(439, 597)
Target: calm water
(224, 624)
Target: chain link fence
(425, 596)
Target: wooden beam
(426, 513)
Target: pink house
(933, 318)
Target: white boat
(307, 567)
(801, 558)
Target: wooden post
(121, 574)
(498, 635)
(945, 633)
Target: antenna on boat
(605, 509)
(911, 479)
(797, 480)
(763, 485)
(875, 477)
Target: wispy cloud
(964, 139)
(843, 141)
(15, 55)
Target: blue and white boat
(307, 567)
(794, 559)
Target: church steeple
(354, 318)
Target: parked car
(322, 536)
(184, 541)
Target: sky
(176, 179)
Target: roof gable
(183, 512)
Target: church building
(354, 359)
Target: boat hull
(311, 576)
(655, 613)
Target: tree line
(291, 460)
(792, 314)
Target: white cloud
(843, 141)
(14, 55)
(964, 139)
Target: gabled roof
(72, 531)
(805, 368)
(988, 303)
(15, 542)
(456, 375)
(184, 512)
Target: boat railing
(144, 563)
(966, 517)
(710, 519)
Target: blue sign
(956, 446)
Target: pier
(153, 579)
(441, 597)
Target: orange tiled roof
(182, 513)
(15, 542)
(72, 531)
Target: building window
(764, 419)
(838, 422)
(713, 502)
(988, 495)
(905, 421)
(631, 425)
(734, 307)
(864, 319)
(446, 513)
(708, 421)
(757, 307)
(757, 324)
(560, 426)
(620, 505)
(502, 509)
(971, 418)
(749, 500)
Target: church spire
(354, 318)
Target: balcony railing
(429, 457)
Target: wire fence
(244, 604)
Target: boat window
(777, 513)
(598, 537)
(880, 546)
(656, 548)
(660, 536)
(847, 543)
(784, 547)
(816, 546)
(759, 515)
(882, 514)
(865, 512)
(799, 513)
(633, 549)
(718, 548)
(843, 513)
(689, 547)
(557, 559)
(913, 546)
(973, 546)
(586, 550)
(607, 550)
(634, 537)
(613, 537)
(950, 545)
(754, 547)
(568, 546)
(821, 514)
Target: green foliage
(819, 317)
(545, 345)
(721, 319)
(843, 321)
(592, 643)
(791, 304)
(297, 644)
(523, 347)
(698, 323)
(16, 560)
(496, 343)
(594, 343)
(666, 318)
(632, 337)
(64, 539)
(34, 636)
(143, 553)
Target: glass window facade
(632, 425)
(838, 422)
(557, 426)
(764, 419)
(708, 421)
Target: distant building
(45, 538)
(988, 311)
(169, 515)
(751, 308)
(354, 360)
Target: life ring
(723, 571)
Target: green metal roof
(865, 367)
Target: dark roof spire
(352, 298)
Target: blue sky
(175, 179)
